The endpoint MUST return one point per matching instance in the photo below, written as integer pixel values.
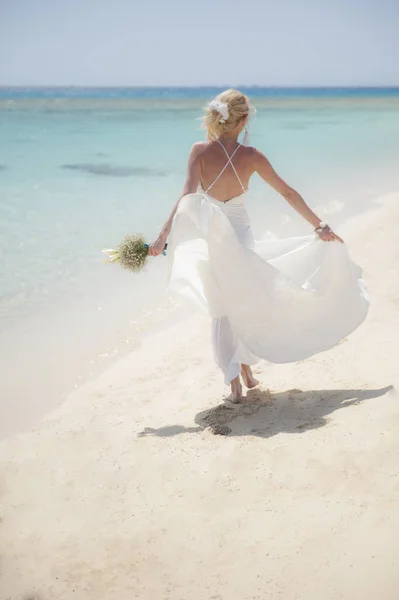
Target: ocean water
(80, 168)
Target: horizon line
(204, 86)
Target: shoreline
(105, 358)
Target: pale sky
(204, 42)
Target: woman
(281, 300)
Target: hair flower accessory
(220, 107)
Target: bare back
(222, 177)
(224, 167)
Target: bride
(282, 300)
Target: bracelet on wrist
(322, 227)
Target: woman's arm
(190, 186)
(266, 171)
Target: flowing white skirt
(282, 300)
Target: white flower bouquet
(131, 254)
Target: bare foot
(248, 378)
(236, 391)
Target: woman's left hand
(327, 235)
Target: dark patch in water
(3, 167)
(113, 171)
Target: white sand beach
(143, 484)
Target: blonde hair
(238, 108)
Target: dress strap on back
(229, 162)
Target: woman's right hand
(157, 247)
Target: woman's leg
(236, 390)
(247, 377)
(225, 348)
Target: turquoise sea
(80, 168)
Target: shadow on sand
(264, 414)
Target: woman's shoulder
(254, 154)
(197, 149)
(250, 150)
(251, 154)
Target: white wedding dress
(282, 300)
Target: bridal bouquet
(131, 254)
